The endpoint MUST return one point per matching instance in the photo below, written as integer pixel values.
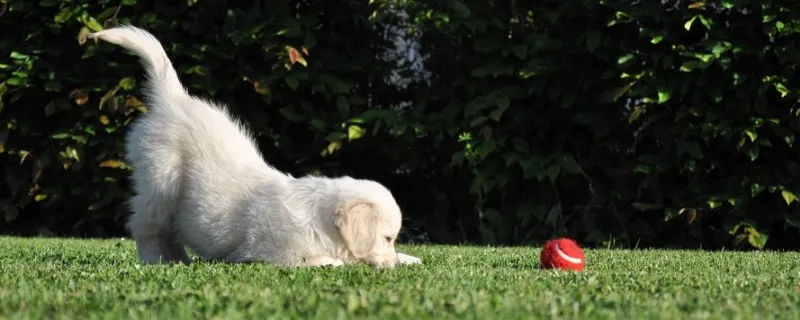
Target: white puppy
(200, 182)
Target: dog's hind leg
(150, 227)
(153, 210)
(175, 250)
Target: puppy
(200, 182)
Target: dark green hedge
(618, 123)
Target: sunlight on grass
(102, 278)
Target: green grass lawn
(86, 279)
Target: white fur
(200, 182)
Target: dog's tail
(163, 79)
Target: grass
(92, 279)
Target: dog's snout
(391, 258)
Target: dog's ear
(357, 223)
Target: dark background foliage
(618, 123)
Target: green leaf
(14, 81)
(502, 101)
(478, 121)
(553, 172)
(727, 4)
(358, 120)
(693, 149)
(475, 106)
(48, 3)
(335, 136)
(486, 148)
(720, 48)
(663, 96)
(109, 96)
(620, 17)
(636, 113)
(318, 124)
(460, 9)
(292, 82)
(757, 239)
(642, 168)
(753, 153)
(291, 115)
(356, 100)
(569, 165)
(793, 221)
(336, 85)
(521, 51)
(625, 58)
(616, 93)
(707, 22)
(641, 206)
(127, 83)
(789, 139)
(372, 114)
(657, 39)
(738, 226)
(332, 147)
(94, 25)
(64, 15)
(739, 239)
(521, 146)
(52, 85)
(83, 35)
(18, 56)
(782, 89)
(107, 13)
(592, 40)
(496, 114)
(494, 68)
(688, 24)
(343, 105)
(751, 134)
(50, 108)
(111, 163)
(705, 57)
(689, 66)
(788, 196)
(355, 132)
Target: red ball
(562, 253)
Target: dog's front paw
(323, 262)
(403, 258)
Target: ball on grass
(562, 253)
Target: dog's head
(368, 220)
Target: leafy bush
(616, 122)
(644, 123)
